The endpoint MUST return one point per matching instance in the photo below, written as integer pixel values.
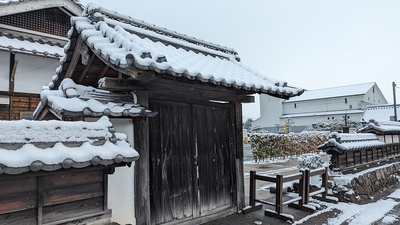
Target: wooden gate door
(214, 138)
(191, 163)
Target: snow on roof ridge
(92, 9)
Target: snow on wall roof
(126, 42)
(385, 127)
(380, 112)
(350, 142)
(74, 99)
(29, 47)
(51, 145)
(350, 90)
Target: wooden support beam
(166, 87)
(240, 199)
(85, 70)
(142, 167)
(103, 71)
(75, 58)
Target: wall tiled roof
(51, 145)
(343, 142)
(381, 127)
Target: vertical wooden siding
(192, 164)
(214, 146)
(172, 168)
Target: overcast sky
(308, 43)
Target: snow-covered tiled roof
(382, 127)
(380, 112)
(343, 142)
(73, 99)
(14, 44)
(51, 145)
(127, 44)
(349, 90)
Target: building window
(328, 118)
(333, 117)
(26, 115)
(368, 98)
(295, 105)
(345, 100)
(350, 106)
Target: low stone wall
(364, 185)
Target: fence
(300, 202)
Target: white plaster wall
(270, 111)
(121, 183)
(4, 70)
(33, 72)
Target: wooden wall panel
(18, 218)
(18, 202)
(72, 209)
(34, 198)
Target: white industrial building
(318, 105)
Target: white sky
(308, 43)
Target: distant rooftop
(349, 90)
(380, 112)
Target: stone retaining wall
(366, 185)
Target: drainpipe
(394, 101)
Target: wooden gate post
(252, 189)
(279, 194)
(306, 195)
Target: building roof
(18, 34)
(77, 100)
(381, 127)
(51, 145)
(380, 112)
(128, 44)
(342, 91)
(325, 113)
(21, 45)
(17, 6)
(342, 142)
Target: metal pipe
(394, 101)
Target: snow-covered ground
(355, 214)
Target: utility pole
(394, 101)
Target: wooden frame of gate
(300, 202)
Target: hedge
(269, 146)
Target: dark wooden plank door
(191, 162)
(214, 141)
(172, 171)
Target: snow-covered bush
(310, 161)
(335, 125)
(270, 145)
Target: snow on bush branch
(310, 161)
(269, 145)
